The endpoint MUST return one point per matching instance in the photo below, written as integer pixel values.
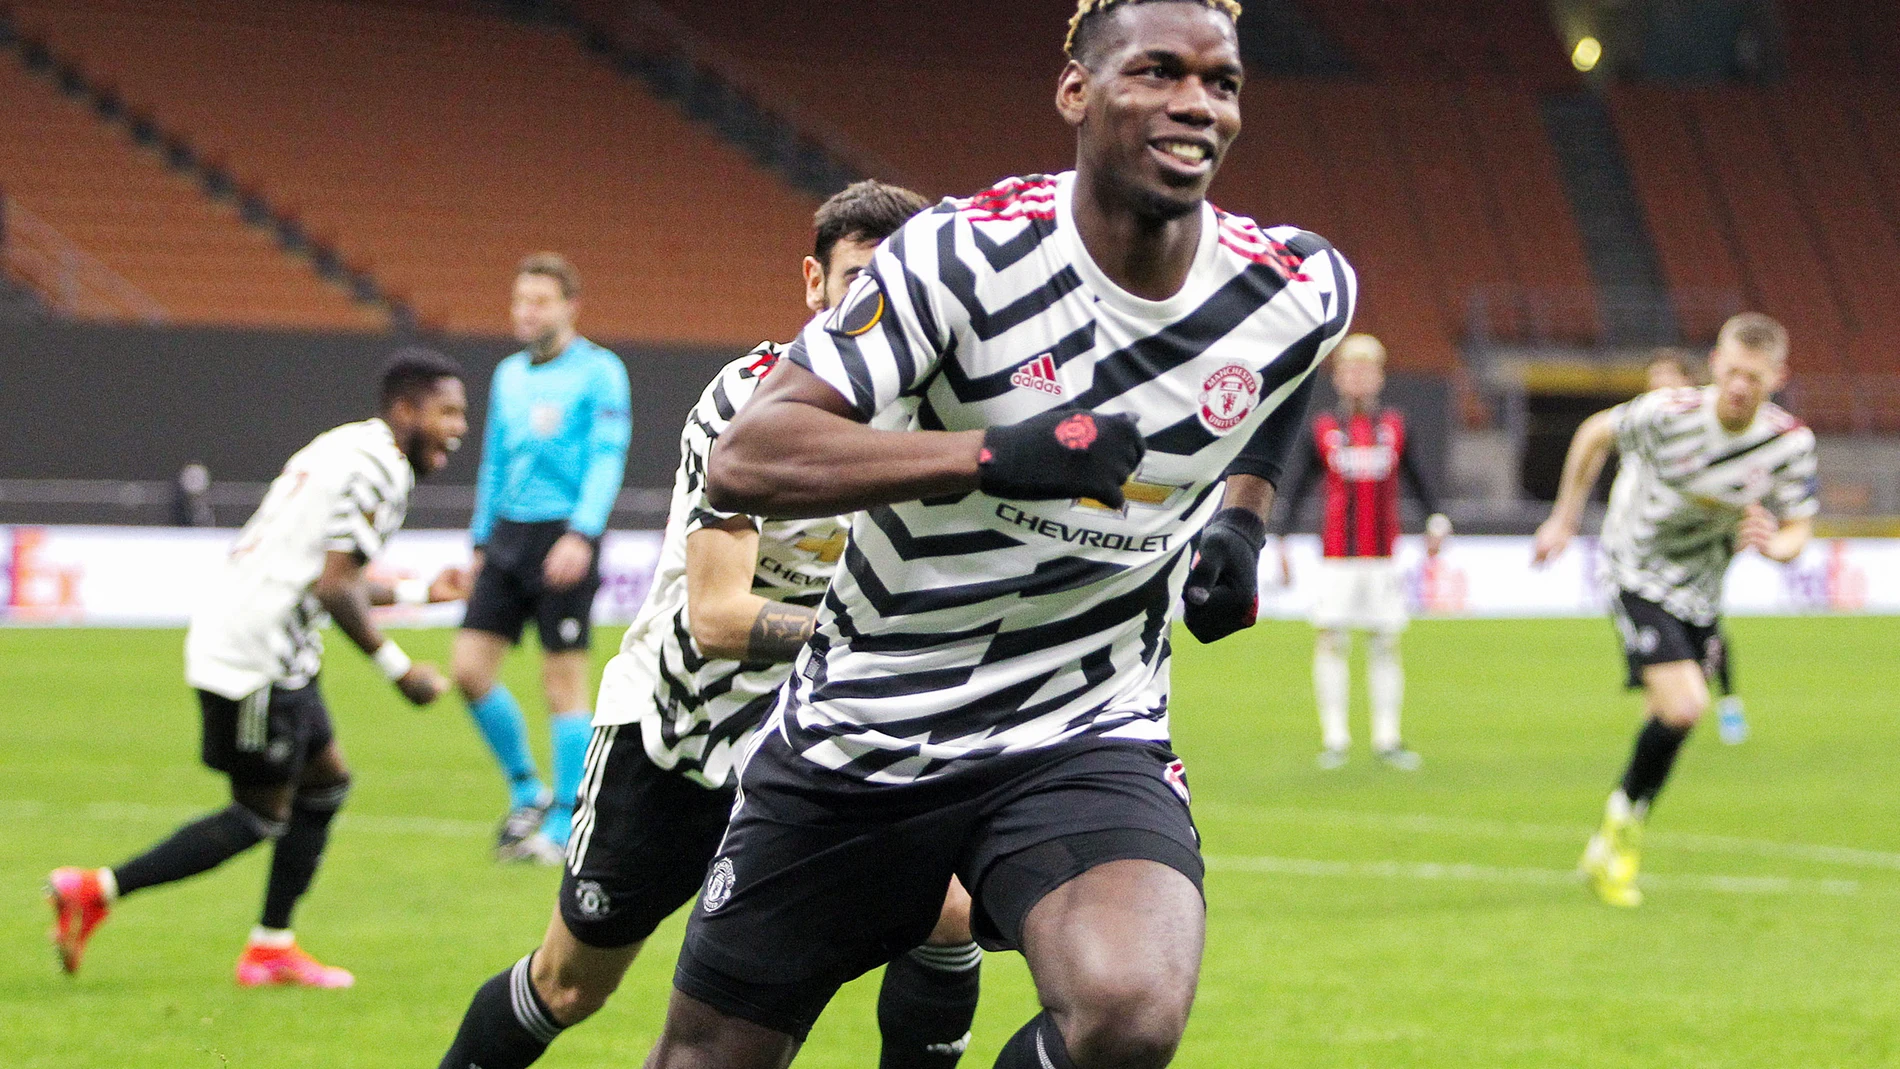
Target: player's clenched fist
(1223, 587)
(422, 684)
(1758, 527)
(1064, 452)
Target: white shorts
(1361, 593)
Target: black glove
(1064, 452)
(1223, 587)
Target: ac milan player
(1361, 449)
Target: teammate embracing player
(985, 693)
(254, 652)
(1707, 472)
(732, 602)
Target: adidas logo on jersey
(1038, 374)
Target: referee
(553, 454)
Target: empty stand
(149, 225)
(1450, 40)
(433, 147)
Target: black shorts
(822, 877)
(264, 740)
(510, 590)
(1653, 635)
(642, 839)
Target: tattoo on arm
(779, 631)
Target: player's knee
(323, 797)
(1383, 644)
(267, 817)
(1682, 712)
(1330, 641)
(472, 680)
(1124, 1020)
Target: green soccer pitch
(1357, 918)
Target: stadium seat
(119, 203)
(434, 145)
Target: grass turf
(1363, 917)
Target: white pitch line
(1472, 828)
(1495, 874)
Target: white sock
(1385, 682)
(1618, 809)
(1332, 686)
(109, 883)
(273, 938)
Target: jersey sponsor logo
(825, 549)
(544, 419)
(1176, 776)
(790, 573)
(719, 884)
(1078, 432)
(1038, 374)
(1227, 396)
(592, 900)
(1081, 536)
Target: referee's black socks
(926, 1006)
(507, 1026)
(1656, 748)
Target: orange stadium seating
(434, 147)
(1790, 196)
(149, 225)
(1451, 40)
(952, 108)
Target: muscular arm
(796, 450)
(1788, 540)
(347, 594)
(727, 620)
(1582, 464)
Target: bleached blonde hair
(1088, 9)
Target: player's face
(1664, 375)
(825, 287)
(1160, 106)
(437, 422)
(1744, 378)
(1358, 381)
(541, 314)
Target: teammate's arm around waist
(727, 620)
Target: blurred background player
(1707, 472)
(1670, 369)
(254, 652)
(553, 454)
(732, 602)
(1362, 451)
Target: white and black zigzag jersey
(258, 625)
(1679, 493)
(696, 713)
(968, 626)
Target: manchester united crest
(1227, 396)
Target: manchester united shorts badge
(718, 885)
(1227, 396)
(591, 899)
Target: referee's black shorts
(510, 590)
(822, 877)
(641, 841)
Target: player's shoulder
(738, 379)
(366, 446)
(1286, 249)
(599, 356)
(1780, 421)
(1026, 197)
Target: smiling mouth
(1192, 154)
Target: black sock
(294, 862)
(1656, 747)
(507, 1026)
(926, 1005)
(203, 844)
(1037, 1046)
